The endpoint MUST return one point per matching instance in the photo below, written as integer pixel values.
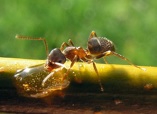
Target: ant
(57, 57)
(98, 47)
(74, 54)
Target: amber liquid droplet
(29, 81)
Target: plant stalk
(83, 78)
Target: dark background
(130, 24)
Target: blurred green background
(130, 24)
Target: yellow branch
(115, 78)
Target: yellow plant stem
(115, 78)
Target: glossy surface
(29, 81)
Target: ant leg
(124, 58)
(105, 60)
(30, 38)
(61, 65)
(107, 53)
(52, 73)
(47, 77)
(64, 44)
(73, 61)
(99, 80)
(70, 42)
(92, 34)
(71, 65)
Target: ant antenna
(30, 38)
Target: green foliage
(130, 24)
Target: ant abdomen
(106, 44)
(99, 45)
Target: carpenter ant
(97, 47)
(72, 53)
(57, 57)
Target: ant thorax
(71, 52)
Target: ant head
(55, 56)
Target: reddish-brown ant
(57, 57)
(97, 47)
(72, 53)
